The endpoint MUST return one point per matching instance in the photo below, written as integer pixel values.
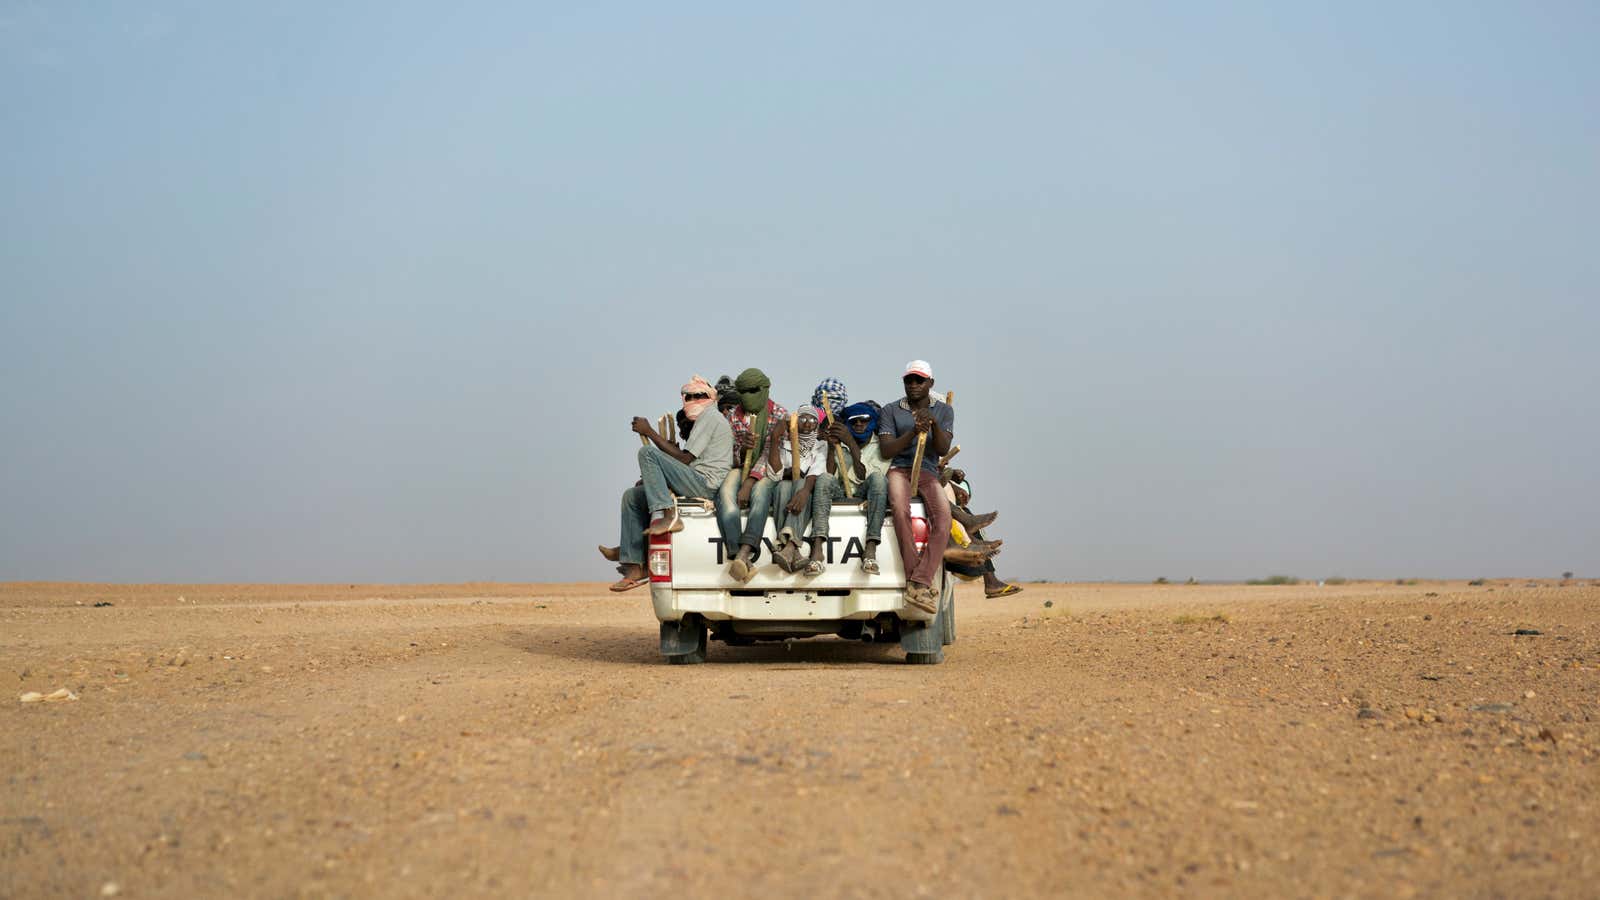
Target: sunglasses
(697, 396)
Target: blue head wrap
(860, 409)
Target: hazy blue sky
(369, 291)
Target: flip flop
(1003, 592)
(814, 567)
(628, 584)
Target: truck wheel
(931, 639)
(947, 614)
(684, 643)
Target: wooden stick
(916, 466)
(916, 462)
(949, 456)
(841, 456)
(794, 445)
(750, 454)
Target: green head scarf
(753, 386)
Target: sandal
(628, 584)
(922, 598)
(739, 570)
(814, 567)
(1003, 592)
(787, 557)
(869, 565)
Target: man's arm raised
(641, 426)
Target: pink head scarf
(698, 385)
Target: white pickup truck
(695, 599)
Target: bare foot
(966, 556)
(666, 522)
(633, 576)
(979, 523)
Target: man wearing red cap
(899, 423)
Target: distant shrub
(1191, 580)
(1476, 582)
(1337, 579)
(1162, 580)
(1567, 575)
(1405, 581)
(1275, 579)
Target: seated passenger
(968, 520)
(899, 423)
(650, 507)
(753, 420)
(867, 472)
(685, 425)
(791, 511)
(973, 560)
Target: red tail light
(658, 559)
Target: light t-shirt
(813, 463)
(871, 459)
(711, 442)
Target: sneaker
(665, 523)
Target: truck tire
(684, 642)
(947, 612)
(925, 646)
(932, 636)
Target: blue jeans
(875, 490)
(728, 509)
(728, 512)
(792, 525)
(663, 477)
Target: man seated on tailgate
(899, 424)
(867, 472)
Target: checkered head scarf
(807, 441)
(838, 397)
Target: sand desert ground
(1368, 739)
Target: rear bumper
(782, 606)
